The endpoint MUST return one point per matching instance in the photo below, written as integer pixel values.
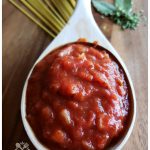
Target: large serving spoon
(82, 25)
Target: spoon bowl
(82, 25)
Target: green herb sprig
(120, 12)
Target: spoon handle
(80, 25)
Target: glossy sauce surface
(77, 99)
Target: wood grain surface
(23, 42)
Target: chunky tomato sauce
(77, 99)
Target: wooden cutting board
(23, 42)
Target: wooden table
(23, 42)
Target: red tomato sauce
(77, 99)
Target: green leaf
(125, 5)
(104, 7)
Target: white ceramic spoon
(81, 25)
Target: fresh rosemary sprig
(120, 12)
